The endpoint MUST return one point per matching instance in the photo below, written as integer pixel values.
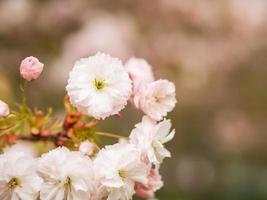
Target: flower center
(99, 84)
(68, 183)
(67, 186)
(122, 174)
(14, 182)
(159, 99)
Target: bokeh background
(214, 50)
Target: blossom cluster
(78, 168)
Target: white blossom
(99, 86)
(150, 137)
(119, 166)
(18, 177)
(67, 175)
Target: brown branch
(52, 138)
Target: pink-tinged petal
(139, 71)
(148, 190)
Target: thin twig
(110, 135)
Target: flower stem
(9, 129)
(110, 135)
(23, 89)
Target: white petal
(168, 138)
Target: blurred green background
(214, 50)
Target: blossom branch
(93, 95)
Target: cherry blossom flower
(156, 99)
(119, 166)
(18, 178)
(150, 137)
(31, 68)
(99, 86)
(67, 175)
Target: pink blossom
(156, 99)
(4, 109)
(154, 184)
(31, 68)
(139, 71)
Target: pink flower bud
(4, 109)
(31, 68)
(87, 148)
